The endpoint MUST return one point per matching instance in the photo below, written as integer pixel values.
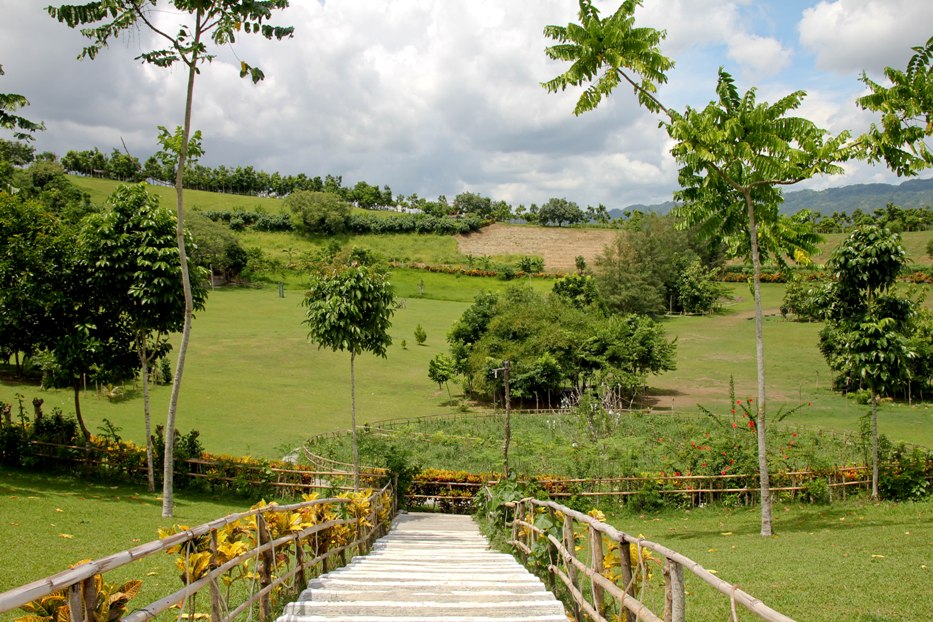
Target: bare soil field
(558, 246)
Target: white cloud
(760, 56)
(849, 36)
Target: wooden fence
(282, 546)
(612, 578)
(215, 474)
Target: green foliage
(613, 46)
(215, 248)
(864, 339)
(554, 346)
(21, 127)
(802, 299)
(560, 211)
(906, 473)
(578, 290)
(420, 335)
(318, 212)
(441, 369)
(349, 307)
(531, 264)
(652, 267)
(906, 108)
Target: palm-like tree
(734, 155)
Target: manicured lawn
(49, 522)
(254, 385)
(855, 560)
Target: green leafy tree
(36, 254)
(578, 290)
(203, 22)
(318, 212)
(132, 253)
(906, 107)
(441, 370)
(865, 338)
(349, 308)
(734, 155)
(559, 212)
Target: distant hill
(866, 197)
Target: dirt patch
(557, 245)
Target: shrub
(905, 475)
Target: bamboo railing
(608, 599)
(284, 562)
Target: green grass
(254, 385)
(914, 242)
(854, 560)
(710, 349)
(48, 522)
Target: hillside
(847, 199)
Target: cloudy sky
(443, 96)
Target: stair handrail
(78, 583)
(525, 533)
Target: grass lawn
(254, 385)
(49, 522)
(854, 560)
(709, 349)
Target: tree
(36, 253)
(420, 335)
(734, 154)
(217, 21)
(318, 212)
(441, 370)
(906, 108)
(560, 211)
(865, 337)
(132, 249)
(21, 127)
(349, 308)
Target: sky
(438, 97)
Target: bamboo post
(300, 562)
(569, 546)
(625, 561)
(76, 604)
(678, 593)
(596, 556)
(265, 569)
(89, 591)
(216, 612)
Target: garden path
(431, 567)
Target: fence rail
(316, 537)
(558, 544)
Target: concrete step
(429, 568)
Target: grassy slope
(710, 349)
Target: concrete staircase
(431, 567)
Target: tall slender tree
(203, 22)
(349, 308)
(734, 154)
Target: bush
(816, 491)
(905, 475)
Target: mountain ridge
(866, 197)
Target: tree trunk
(356, 452)
(760, 364)
(76, 384)
(168, 499)
(144, 366)
(508, 421)
(874, 443)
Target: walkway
(431, 567)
